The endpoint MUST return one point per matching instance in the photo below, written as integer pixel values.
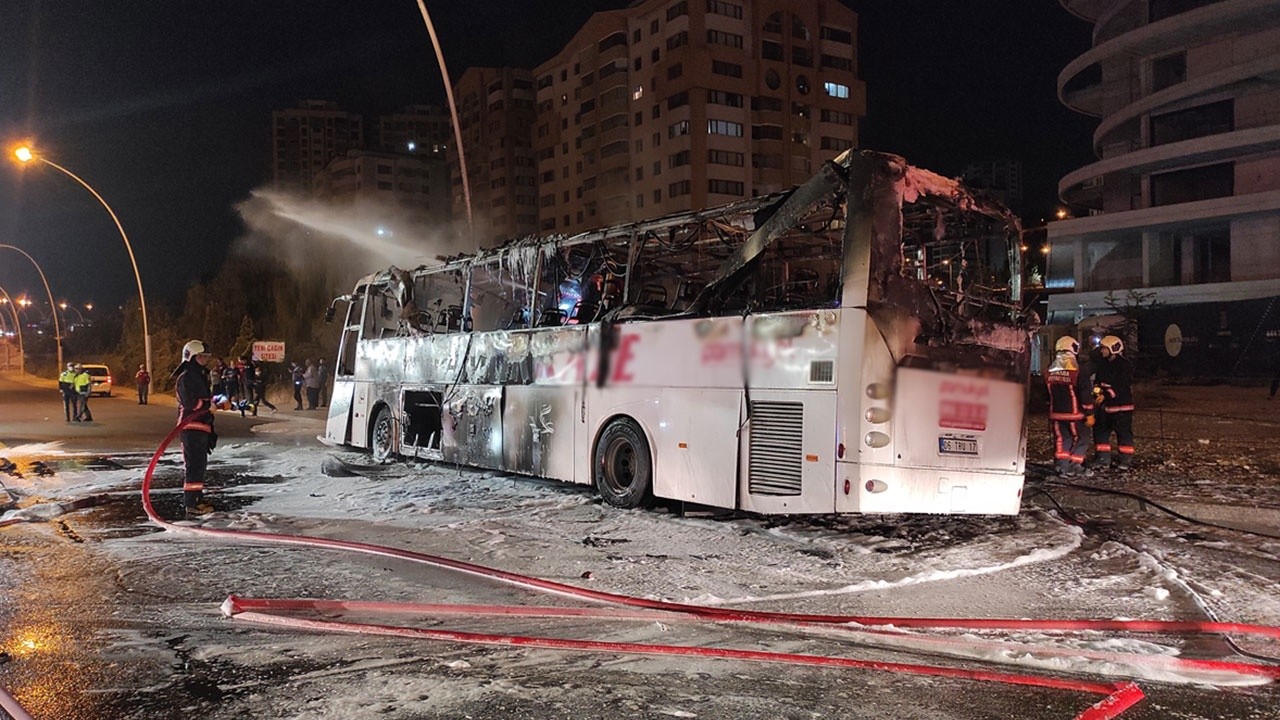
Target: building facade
(1183, 203)
(413, 187)
(672, 105)
(495, 114)
(306, 138)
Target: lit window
(836, 90)
(638, 92)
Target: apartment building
(409, 186)
(672, 105)
(1183, 203)
(304, 139)
(495, 114)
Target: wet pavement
(105, 617)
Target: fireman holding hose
(1067, 410)
(195, 406)
(1113, 395)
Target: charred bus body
(851, 346)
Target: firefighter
(1066, 410)
(1113, 395)
(195, 405)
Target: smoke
(338, 244)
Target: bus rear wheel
(623, 464)
(382, 436)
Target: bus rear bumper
(885, 489)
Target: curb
(1239, 517)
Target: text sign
(268, 350)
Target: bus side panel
(788, 456)
(472, 426)
(695, 439)
(538, 430)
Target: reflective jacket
(83, 383)
(1114, 377)
(1062, 379)
(195, 398)
(67, 380)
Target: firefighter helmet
(1066, 343)
(194, 348)
(1113, 345)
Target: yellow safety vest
(84, 383)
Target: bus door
(338, 425)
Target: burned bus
(851, 346)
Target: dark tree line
(245, 301)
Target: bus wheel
(623, 465)
(380, 440)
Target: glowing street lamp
(68, 306)
(57, 329)
(26, 155)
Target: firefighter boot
(1123, 462)
(1102, 461)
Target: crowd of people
(237, 385)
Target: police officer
(195, 410)
(84, 388)
(1113, 383)
(1066, 410)
(67, 384)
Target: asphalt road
(106, 618)
(34, 414)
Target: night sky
(164, 106)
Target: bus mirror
(328, 314)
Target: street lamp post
(453, 112)
(68, 306)
(53, 304)
(17, 325)
(25, 154)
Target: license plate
(952, 445)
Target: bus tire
(382, 435)
(623, 465)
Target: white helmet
(1113, 344)
(194, 348)
(1066, 343)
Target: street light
(453, 113)
(17, 325)
(25, 155)
(53, 305)
(68, 306)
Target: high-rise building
(495, 114)
(1184, 199)
(414, 186)
(304, 139)
(671, 105)
(417, 130)
(1001, 178)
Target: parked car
(101, 375)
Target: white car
(101, 375)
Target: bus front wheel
(623, 464)
(382, 436)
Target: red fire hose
(1118, 696)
